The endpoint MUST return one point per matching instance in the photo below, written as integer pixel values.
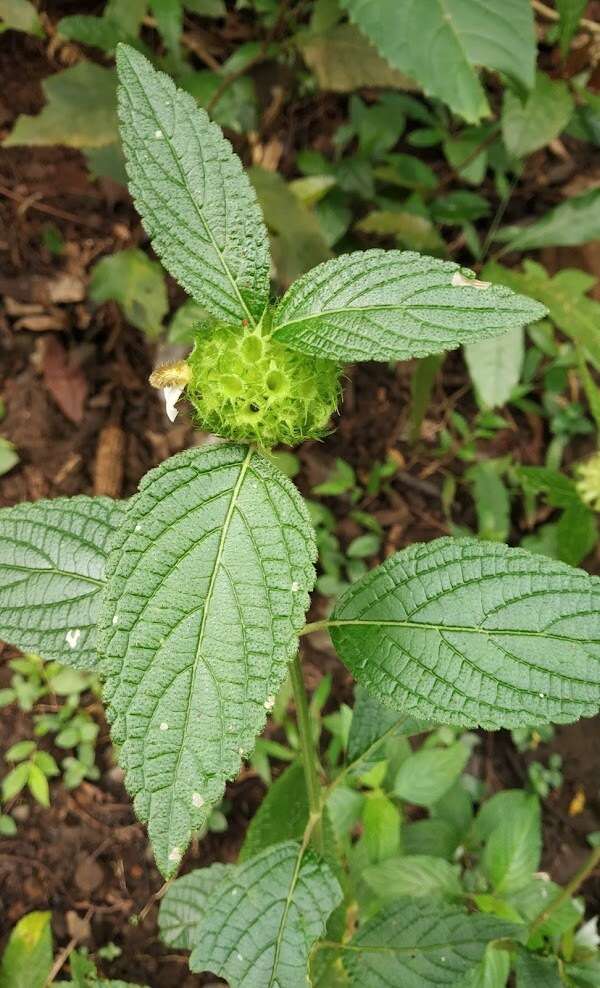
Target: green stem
(314, 626)
(307, 748)
(569, 890)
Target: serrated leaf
(183, 908)
(492, 971)
(576, 221)
(282, 815)
(394, 305)
(495, 367)
(513, 850)
(415, 944)
(130, 278)
(27, 958)
(52, 560)
(80, 110)
(466, 632)
(343, 60)
(207, 587)
(189, 188)
(264, 917)
(529, 125)
(442, 48)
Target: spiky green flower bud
(248, 387)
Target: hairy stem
(309, 761)
(570, 889)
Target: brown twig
(42, 207)
(65, 953)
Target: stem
(313, 786)
(314, 626)
(570, 889)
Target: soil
(78, 408)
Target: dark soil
(80, 411)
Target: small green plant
(189, 601)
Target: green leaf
(20, 15)
(282, 815)
(373, 723)
(381, 827)
(297, 237)
(559, 491)
(187, 321)
(169, 22)
(572, 311)
(262, 920)
(80, 110)
(236, 108)
(52, 559)
(128, 16)
(425, 776)
(492, 501)
(493, 970)
(413, 875)
(442, 49)
(208, 583)
(499, 807)
(342, 60)
(542, 117)
(393, 305)
(466, 632)
(416, 944)
(576, 221)
(410, 230)
(8, 827)
(37, 783)
(98, 32)
(433, 837)
(8, 456)
(537, 972)
(15, 781)
(27, 958)
(577, 534)
(136, 283)
(570, 11)
(183, 908)
(513, 850)
(495, 367)
(189, 188)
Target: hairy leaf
(495, 367)
(189, 188)
(183, 908)
(264, 917)
(529, 125)
(576, 221)
(52, 561)
(465, 632)
(207, 586)
(416, 944)
(441, 47)
(80, 110)
(393, 305)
